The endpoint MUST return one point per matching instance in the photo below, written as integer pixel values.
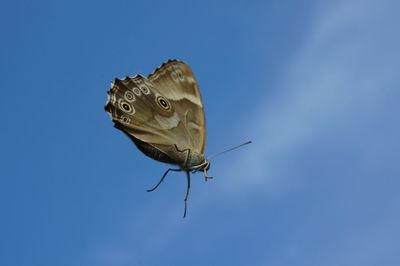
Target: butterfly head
(204, 166)
(196, 162)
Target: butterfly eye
(163, 103)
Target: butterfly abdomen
(154, 153)
(150, 150)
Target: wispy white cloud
(347, 59)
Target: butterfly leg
(162, 178)
(206, 176)
(187, 191)
(203, 167)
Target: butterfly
(163, 115)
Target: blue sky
(314, 84)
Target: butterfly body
(163, 115)
(187, 160)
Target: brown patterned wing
(175, 80)
(162, 113)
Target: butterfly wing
(162, 114)
(175, 80)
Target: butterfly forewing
(176, 81)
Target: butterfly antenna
(233, 148)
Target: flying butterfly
(163, 115)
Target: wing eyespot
(144, 89)
(126, 107)
(125, 119)
(163, 103)
(177, 75)
(129, 96)
(136, 91)
(180, 75)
